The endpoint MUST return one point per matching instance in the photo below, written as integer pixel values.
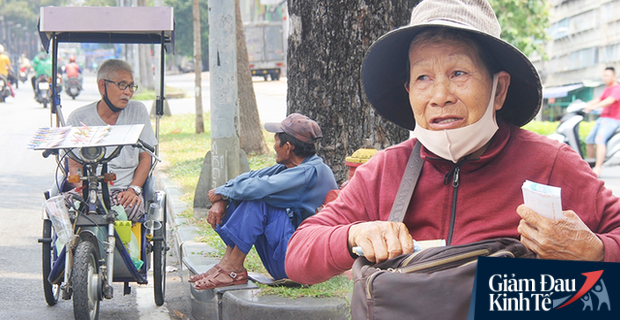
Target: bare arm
(597, 103)
(129, 196)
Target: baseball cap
(297, 125)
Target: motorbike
(23, 74)
(5, 88)
(43, 93)
(13, 79)
(568, 132)
(42, 90)
(73, 87)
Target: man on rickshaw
(116, 86)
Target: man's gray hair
(109, 68)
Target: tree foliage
(184, 35)
(100, 3)
(25, 12)
(524, 23)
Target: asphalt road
(24, 175)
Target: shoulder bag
(435, 283)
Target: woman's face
(449, 85)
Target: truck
(266, 48)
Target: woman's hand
(216, 213)
(128, 198)
(381, 240)
(564, 239)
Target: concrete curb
(239, 301)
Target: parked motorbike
(5, 88)
(73, 87)
(42, 93)
(568, 132)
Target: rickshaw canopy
(107, 24)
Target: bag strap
(407, 185)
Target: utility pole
(225, 160)
(224, 100)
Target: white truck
(266, 48)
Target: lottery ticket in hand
(543, 199)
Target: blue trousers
(603, 129)
(266, 227)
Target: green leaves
(524, 23)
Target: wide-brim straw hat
(384, 67)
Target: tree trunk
(200, 123)
(327, 43)
(251, 134)
(146, 67)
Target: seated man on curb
(264, 207)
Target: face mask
(107, 101)
(453, 144)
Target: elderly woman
(465, 92)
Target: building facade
(584, 40)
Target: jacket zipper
(455, 184)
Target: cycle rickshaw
(95, 256)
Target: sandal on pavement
(221, 278)
(203, 275)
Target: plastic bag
(134, 251)
(120, 213)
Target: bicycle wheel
(86, 282)
(159, 264)
(52, 291)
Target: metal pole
(159, 105)
(224, 100)
(52, 79)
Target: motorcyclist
(5, 67)
(5, 63)
(72, 70)
(607, 123)
(42, 65)
(24, 62)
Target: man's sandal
(211, 281)
(203, 275)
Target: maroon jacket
(489, 192)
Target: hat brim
(273, 127)
(384, 75)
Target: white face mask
(453, 144)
